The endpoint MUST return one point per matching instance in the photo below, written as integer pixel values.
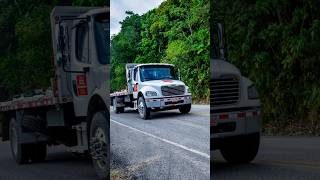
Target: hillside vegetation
(277, 44)
(177, 32)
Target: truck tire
(241, 149)
(20, 152)
(184, 109)
(119, 110)
(144, 112)
(99, 144)
(38, 152)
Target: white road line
(165, 140)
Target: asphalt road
(60, 165)
(171, 145)
(279, 158)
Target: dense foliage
(176, 32)
(277, 44)
(25, 45)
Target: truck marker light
(213, 122)
(223, 116)
(255, 113)
(241, 115)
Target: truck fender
(97, 103)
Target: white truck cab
(234, 108)
(153, 87)
(74, 110)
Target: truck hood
(219, 67)
(159, 83)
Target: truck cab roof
(152, 64)
(70, 11)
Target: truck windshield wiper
(167, 77)
(147, 79)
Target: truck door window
(82, 43)
(102, 37)
(135, 74)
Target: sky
(119, 7)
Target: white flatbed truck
(235, 118)
(152, 87)
(74, 111)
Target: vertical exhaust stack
(218, 42)
(221, 40)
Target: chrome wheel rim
(141, 108)
(101, 155)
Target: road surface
(60, 165)
(280, 158)
(170, 145)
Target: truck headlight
(151, 93)
(252, 92)
(188, 89)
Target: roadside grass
(290, 129)
(118, 175)
(200, 101)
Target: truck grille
(172, 90)
(224, 91)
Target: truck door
(135, 82)
(90, 58)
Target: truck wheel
(99, 144)
(119, 110)
(38, 152)
(241, 150)
(144, 112)
(184, 109)
(20, 152)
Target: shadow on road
(66, 157)
(159, 115)
(221, 170)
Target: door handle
(74, 85)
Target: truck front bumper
(232, 124)
(168, 102)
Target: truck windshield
(150, 72)
(102, 31)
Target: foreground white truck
(234, 107)
(74, 111)
(152, 87)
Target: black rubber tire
(101, 120)
(185, 109)
(38, 152)
(119, 110)
(22, 154)
(146, 111)
(241, 149)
